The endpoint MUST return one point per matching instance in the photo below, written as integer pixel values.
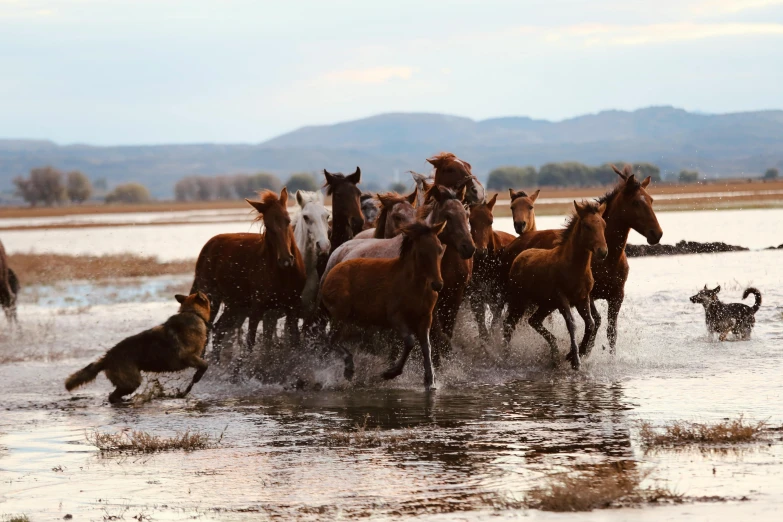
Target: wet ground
(498, 425)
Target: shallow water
(496, 427)
(753, 229)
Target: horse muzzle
(286, 262)
(437, 286)
(466, 251)
(654, 237)
(323, 248)
(520, 226)
(601, 253)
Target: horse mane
(309, 196)
(573, 220)
(410, 233)
(519, 194)
(430, 201)
(443, 156)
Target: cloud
(731, 6)
(372, 75)
(630, 35)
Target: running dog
(173, 346)
(723, 318)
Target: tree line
(49, 186)
(238, 186)
(565, 174)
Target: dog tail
(755, 292)
(85, 375)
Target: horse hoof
(348, 374)
(430, 387)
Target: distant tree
(565, 174)
(224, 188)
(398, 187)
(79, 188)
(185, 189)
(205, 188)
(301, 181)
(503, 178)
(688, 176)
(45, 185)
(648, 169)
(246, 186)
(771, 173)
(129, 193)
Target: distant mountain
(716, 144)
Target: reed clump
(729, 431)
(136, 441)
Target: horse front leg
(426, 355)
(409, 341)
(573, 355)
(611, 321)
(477, 303)
(337, 345)
(537, 322)
(584, 309)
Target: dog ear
(717, 289)
(180, 298)
(705, 286)
(203, 296)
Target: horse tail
(756, 293)
(85, 375)
(13, 282)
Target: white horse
(311, 233)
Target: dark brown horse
(370, 210)
(444, 204)
(483, 289)
(628, 206)
(398, 294)
(252, 273)
(454, 173)
(559, 278)
(9, 287)
(347, 216)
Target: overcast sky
(166, 71)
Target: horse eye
(307, 219)
(532, 207)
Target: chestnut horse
(444, 204)
(252, 273)
(483, 289)
(397, 293)
(9, 287)
(396, 211)
(559, 278)
(628, 206)
(370, 209)
(454, 173)
(522, 210)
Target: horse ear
(492, 201)
(646, 181)
(619, 172)
(258, 205)
(461, 193)
(413, 196)
(511, 194)
(356, 177)
(602, 209)
(579, 209)
(284, 197)
(180, 298)
(299, 200)
(631, 180)
(534, 197)
(438, 228)
(329, 177)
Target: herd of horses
(406, 264)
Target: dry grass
(730, 431)
(133, 441)
(15, 518)
(362, 437)
(608, 485)
(38, 269)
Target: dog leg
(201, 367)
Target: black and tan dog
(723, 318)
(175, 345)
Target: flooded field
(300, 443)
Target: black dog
(724, 318)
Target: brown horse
(398, 293)
(252, 273)
(558, 279)
(9, 287)
(444, 204)
(628, 206)
(454, 173)
(522, 210)
(370, 210)
(483, 288)
(396, 212)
